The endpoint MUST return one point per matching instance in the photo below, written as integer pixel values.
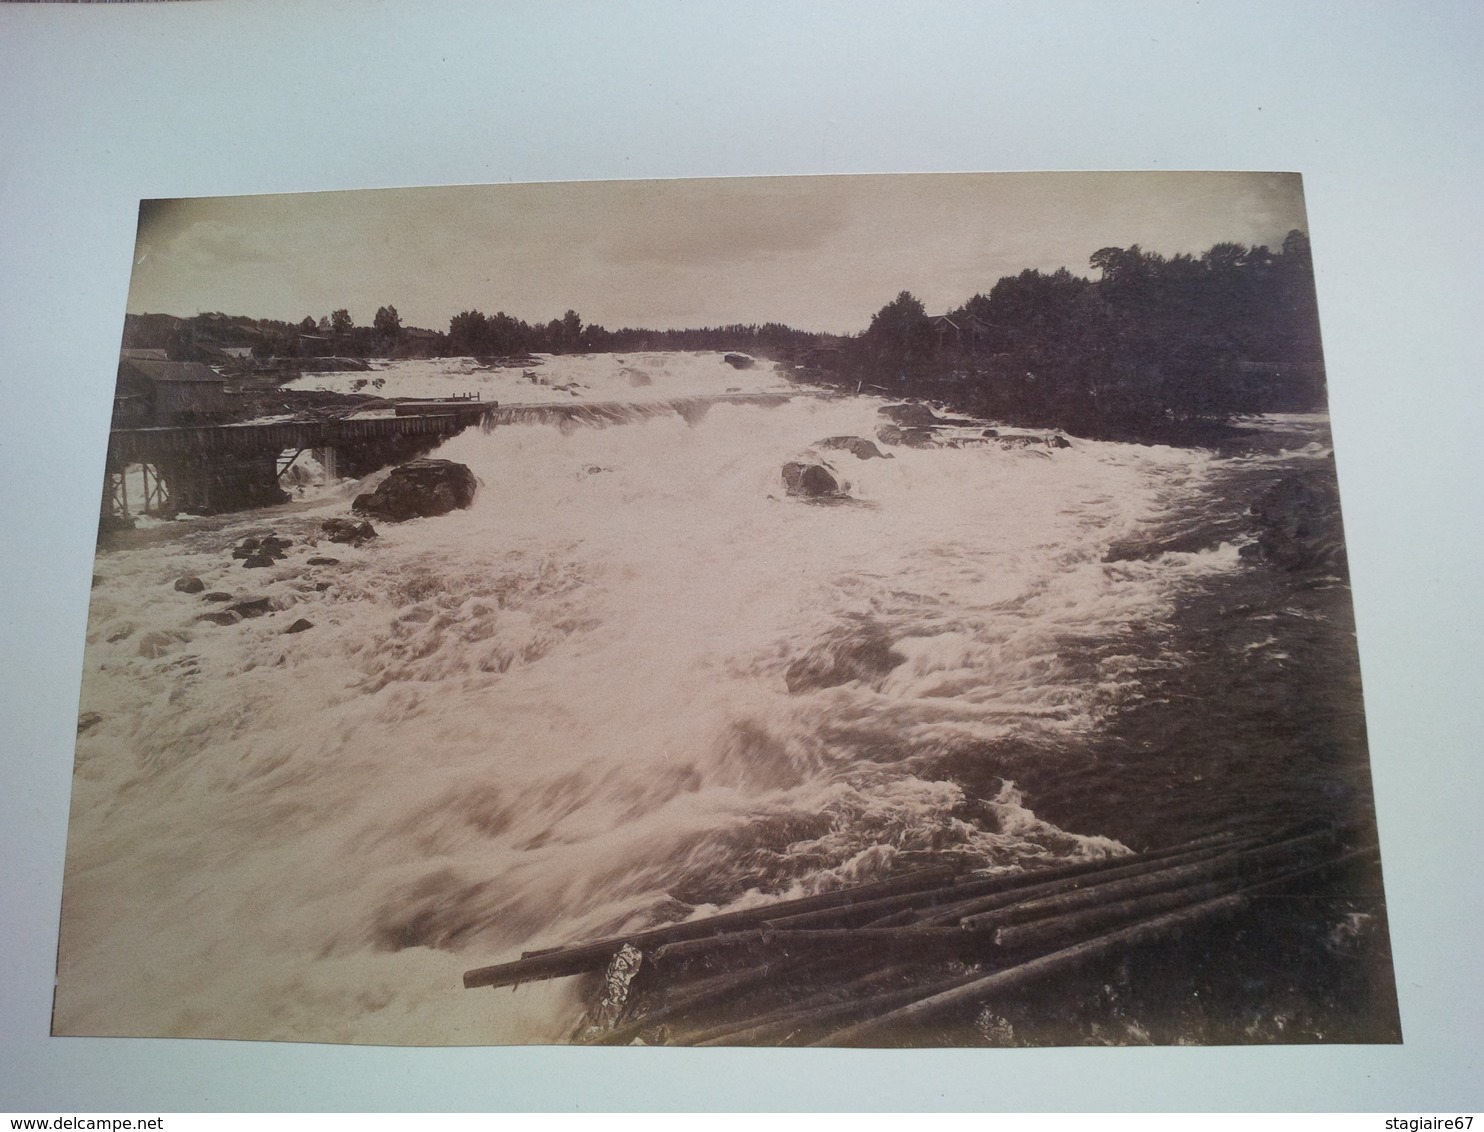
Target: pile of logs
(889, 962)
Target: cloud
(216, 245)
(707, 223)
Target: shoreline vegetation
(1166, 350)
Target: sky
(816, 253)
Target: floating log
(1054, 929)
(593, 956)
(814, 939)
(975, 989)
(954, 913)
(1160, 880)
(832, 1013)
(865, 913)
(777, 1024)
(871, 957)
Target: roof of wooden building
(172, 371)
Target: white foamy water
(553, 379)
(635, 681)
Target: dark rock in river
(1298, 521)
(857, 446)
(916, 416)
(739, 361)
(419, 489)
(220, 617)
(864, 655)
(907, 437)
(810, 480)
(255, 608)
(299, 626)
(257, 560)
(921, 416)
(352, 531)
(216, 595)
(189, 584)
(268, 546)
(320, 560)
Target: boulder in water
(739, 361)
(866, 656)
(152, 646)
(1299, 523)
(907, 437)
(352, 531)
(254, 608)
(300, 625)
(189, 584)
(810, 480)
(857, 446)
(419, 489)
(915, 416)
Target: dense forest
(1153, 347)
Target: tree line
(1153, 344)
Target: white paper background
(1378, 105)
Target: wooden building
(161, 394)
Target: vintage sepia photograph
(861, 611)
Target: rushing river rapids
(636, 682)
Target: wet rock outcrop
(419, 489)
(1298, 521)
(907, 437)
(353, 532)
(913, 416)
(865, 655)
(739, 361)
(812, 480)
(857, 446)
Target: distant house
(958, 331)
(156, 394)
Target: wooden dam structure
(210, 468)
